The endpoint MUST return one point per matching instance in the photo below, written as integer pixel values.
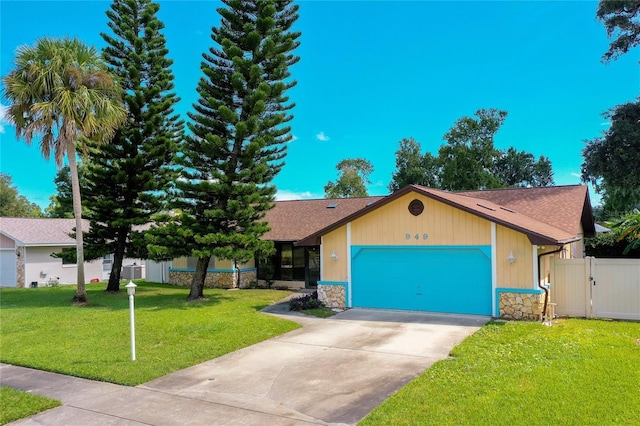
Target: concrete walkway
(331, 371)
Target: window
(287, 264)
(67, 257)
(107, 261)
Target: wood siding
(520, 273)
(443, 225)
(180, 262)
(335, 241)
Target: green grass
(15, 404)
(41, 329)
(577, 372)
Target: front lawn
(577, 372)
(41, 329)
(15, 404)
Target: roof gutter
(544, 288)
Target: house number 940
(416, 237)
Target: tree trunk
(197, 284)
(80, 297)
(116, 266)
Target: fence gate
(596, 288)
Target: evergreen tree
(469, 159)
(61, 204)
(237, 142)
(611, 160)
(621, 18)
(413, 168)
(128, 179)
(12, 203)
(352, 181)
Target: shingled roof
(550, 216)
(296, 219)
(39, 231)
(563, 207)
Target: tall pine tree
(237, 142)
(128, 179)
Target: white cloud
(574, 174)
(322, 137)
(606, 123)
(293, 138)
(3, 118)
(285, 194)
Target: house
(473, 252)
(26, 248)
(290, 266)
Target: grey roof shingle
(39, 231)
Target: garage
(433, 279)
(8, 267)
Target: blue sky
(372, 73)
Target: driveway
(331, 371)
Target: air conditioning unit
(132, 272)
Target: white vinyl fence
(596, 288)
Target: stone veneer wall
(521, 306)
(214, 279)
(20, 267)
(333, 296)
(513, 305)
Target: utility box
(132, 272)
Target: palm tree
(628, 229)
(61, 92)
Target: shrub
(309, 301)
(607, 244)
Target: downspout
(546, 290)
(237, 268)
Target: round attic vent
(416, 207)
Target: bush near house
(608, 245)
(303, 303)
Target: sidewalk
(91, 403)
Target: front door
(313, 267)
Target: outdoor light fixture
(511, 258)
(334, 255)
(131, 290)
(18, 252)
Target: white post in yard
(131, 290)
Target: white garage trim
(321, 256)
(534, 265)
(349, 280)
(494, 270)
(8, 272)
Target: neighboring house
(474, 252)
(26, 246)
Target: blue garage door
(435, 279)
